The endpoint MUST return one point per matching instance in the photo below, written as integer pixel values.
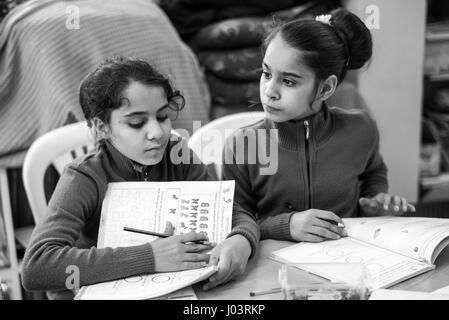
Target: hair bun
(356, 36)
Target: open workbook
(202, 206)
(393, 249)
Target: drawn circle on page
(160, 278)
(134, 279)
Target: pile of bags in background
(227, 35)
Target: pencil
(160, 235)
(259, 293)
(151, 233)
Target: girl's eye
(162, 118)
(289, 83)
(266, 74)
(136, 125)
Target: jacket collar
(292, 133)
(122, 165)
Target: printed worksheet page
(202, 206)
(418, 238)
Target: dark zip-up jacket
(68, 234)
(326, 161)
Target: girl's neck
(309, 114)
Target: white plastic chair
(57, 147)
(204, 141)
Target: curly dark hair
(101, 90)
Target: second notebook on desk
(393, 249)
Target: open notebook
(393, 249)
(204, 206)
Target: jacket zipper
(308, 166)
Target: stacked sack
(227, 37)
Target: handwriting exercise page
(383, 267)
(414, 237)
(201, 206)
(145, 286)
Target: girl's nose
(271, 91)
(154, 130)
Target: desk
(262, 274)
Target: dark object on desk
(260, 293)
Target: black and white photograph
(243, 152)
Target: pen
(259, 293)
(157, 234)
(338, 224)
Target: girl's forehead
(282, 57)
(139, 96)
(138, 90)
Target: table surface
(262, 274)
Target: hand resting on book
(385, 205)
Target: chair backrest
(58, 147)
(209, 140)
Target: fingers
(193, 265)
(327, 215)
(223, 274)
(371, 203)
(325, 233)
(197, 247)
(330, 226)
(396, 203)
(193, 236)
(310, 237)
(385, 201)
(393, 205)
(400, 205)
(196, 257)
(169, 229)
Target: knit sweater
(326, 161)
(68, 233)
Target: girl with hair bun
(328, 161)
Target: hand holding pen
(316, 225)
(178, 252)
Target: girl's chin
(150, 160)
(275, 117)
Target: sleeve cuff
(278, 227)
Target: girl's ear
(328, 87)
(102, 130)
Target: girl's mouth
(271, 109)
